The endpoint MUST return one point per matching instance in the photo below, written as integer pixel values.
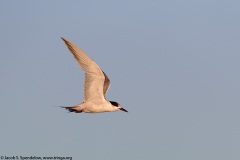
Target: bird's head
(117, 106)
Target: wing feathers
(79, 55)
(95, 89)
(106, 85)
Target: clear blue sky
(174, 65)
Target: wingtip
(63, 39)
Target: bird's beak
(123, 109)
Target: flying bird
(96, 85)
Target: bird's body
(93, 107)
(96, 85)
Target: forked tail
(72, 109)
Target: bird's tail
(72, 109)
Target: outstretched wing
(106, 85)
(94, 77)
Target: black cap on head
(114, 103)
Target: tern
(96, 85)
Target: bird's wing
(94, 77)
(106, 85)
